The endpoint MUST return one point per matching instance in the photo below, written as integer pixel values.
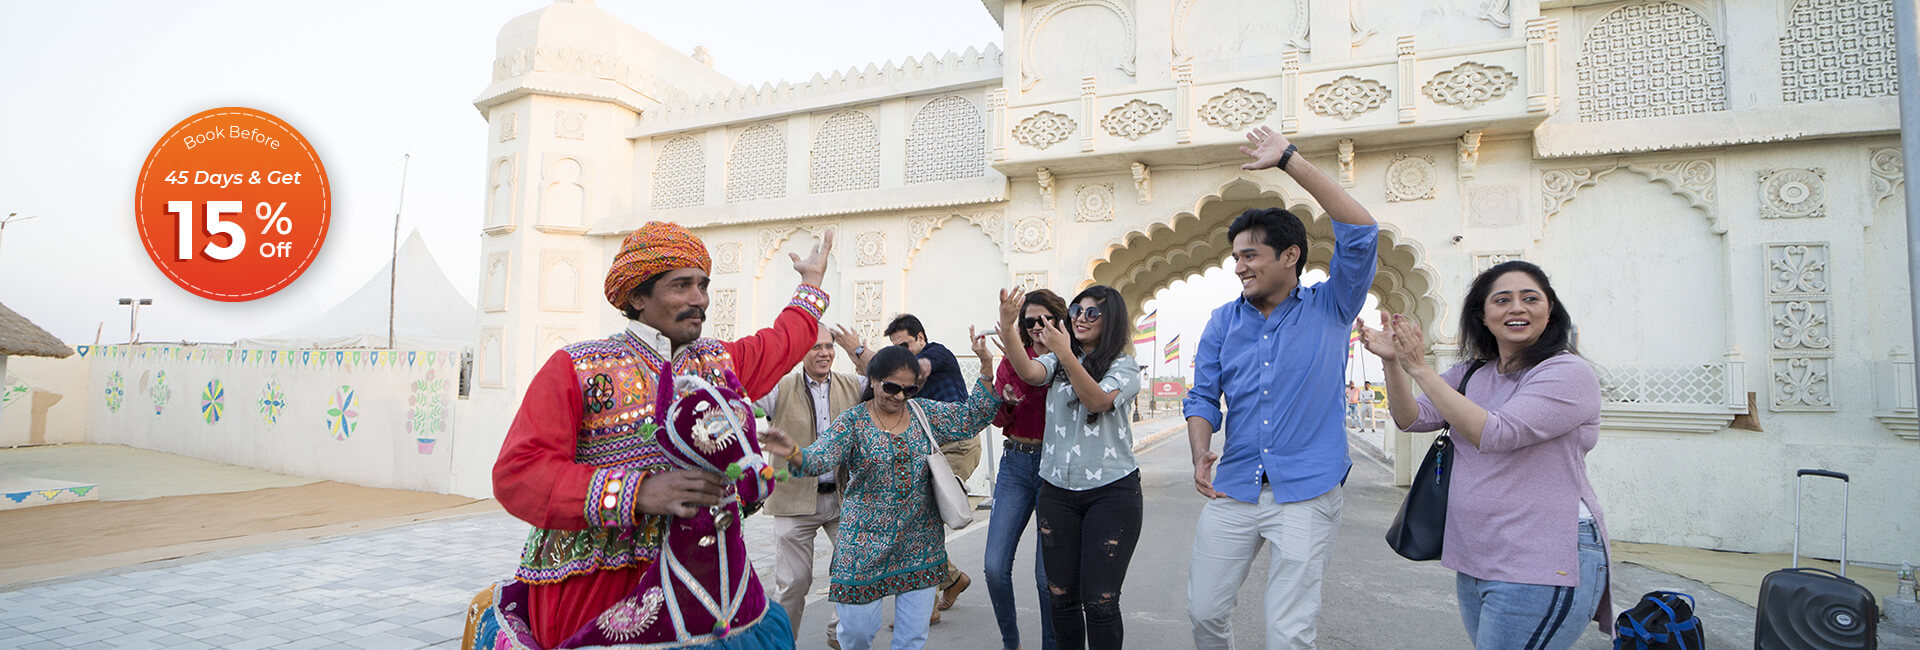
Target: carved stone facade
(726, 257)
(1886, 167)
(846, 154)
(1032, 235)
(1237, 109)
(1469, 85)
(1411, 178)
(871, 248)
(1136, 119)
(946, 142)
(1793, 193)
(1649, 59)
(680, 175)
(1800, 343)
(723, 312)
(757, 167)
(1348, 97)
(1838, 49)
(1044, 129)
(1093, 202)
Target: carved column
(1408, 88)
(1537, 64)
(997, 122)
(1088, 117)
(1290, 91)
(1183, 103)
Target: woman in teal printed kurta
(891, 541)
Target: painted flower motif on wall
(342, 416)
(213, 401)
(116, 391)
(427, 410)
(160, 393)
(273, 402)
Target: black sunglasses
(896, 389)
(1089, 314)
(1029, 322)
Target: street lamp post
(1906, 25)
(133, 328)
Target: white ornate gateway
(1714, 186)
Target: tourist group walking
(636, 457)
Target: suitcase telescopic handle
(1799, 479)
(1823, 472)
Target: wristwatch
(860, 350)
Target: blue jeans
(1014, 490)
(1516, 615)
(859, 624)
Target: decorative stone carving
(570, 125)
(1469, 85)
(1886, 166)
(846, 154)
(1650, 59)
(1557, 186)
(920, 228)
(1359, 32)
(1493, 206)
(1801, 324)
(757, 169)
(501, 192)
(1347, 97)
(726, 257)
(1490, 259)
(770, 241)
(1044, 129)
(1469, 149)
(1411, 178)
(509, 126)
(1693, 180)
(563, 199)
(1793, 193)
(679, 175)
(1045, 179)
(1237, 109)
(869, 331)
(1800, 384)
(722, 313)
(1136, 119)
(1033, 234)
(1031, 280)
(1142, 183)
(1093, 202)
(866, 299)
(1029, 76)
(1299, 25)
(1797, 269)
(1498, 12)
(1346, 163)
(872, 247)
(1838, 49)
(559, 281)
(947, 141)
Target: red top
(536, 479)
(1027, 420)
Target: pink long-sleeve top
(1513, 503)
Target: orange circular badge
(232, 204)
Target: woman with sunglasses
(1023, 418)
(891, 541)
(1089, 506)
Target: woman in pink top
(1023, 417)
(1524, 530)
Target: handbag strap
(1462, 388)
(922, 417)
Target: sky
(94, 84)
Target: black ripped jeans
(1087, 539)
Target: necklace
(896, 427)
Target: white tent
(429, 314)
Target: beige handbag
(949, 493)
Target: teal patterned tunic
(891, 538)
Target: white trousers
(793, 557)
(912, 614)
(1225, 541)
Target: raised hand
(776, 442)
(1409, 345)
(1378, 341)
(1267, 147)
(1010, 302)
(845, 338)
(980, 346)
(1054, 335)
(813, 269)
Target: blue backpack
(1660, 621)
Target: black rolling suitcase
(1808, 609)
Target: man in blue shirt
(1277, 355)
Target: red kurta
(538, 479)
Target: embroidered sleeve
(953, 421)
(610, 497)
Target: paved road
(408, 587)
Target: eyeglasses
(1034, 321)
(1089, 313)
(896, 389)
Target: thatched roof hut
(19, 336)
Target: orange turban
(655, 248)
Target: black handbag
(1420, 527)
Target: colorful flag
(1353, 339)
(1146, 333)
(1173, 350)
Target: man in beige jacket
(804, 404)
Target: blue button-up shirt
(1281, 375)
